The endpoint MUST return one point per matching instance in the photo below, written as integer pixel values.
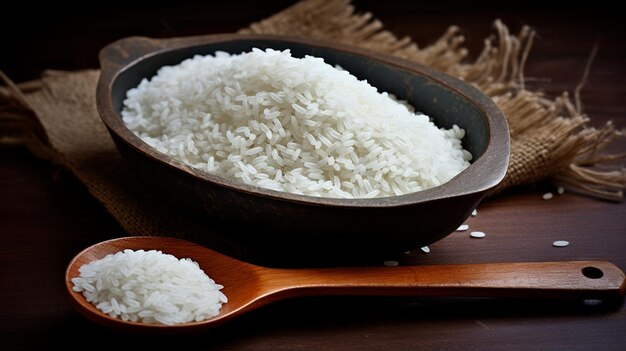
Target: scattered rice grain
(477, 235)
(560, 243)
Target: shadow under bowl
(305, 225)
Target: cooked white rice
(289, 124)
(149, 287)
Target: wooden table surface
(46, 216)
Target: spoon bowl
(248, 286)
(240, 279)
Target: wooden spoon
(249, 286)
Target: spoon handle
(573, 279)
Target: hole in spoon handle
(592, 272)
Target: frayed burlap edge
(43, 116)
(550, 137)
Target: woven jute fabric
(56, 118)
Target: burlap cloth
(56, 117)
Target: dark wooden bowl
(313, 224)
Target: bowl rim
(488, 170)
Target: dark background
(61, 36)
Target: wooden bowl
(296, 222)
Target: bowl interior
(435, 100)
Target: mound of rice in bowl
(291, 124)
